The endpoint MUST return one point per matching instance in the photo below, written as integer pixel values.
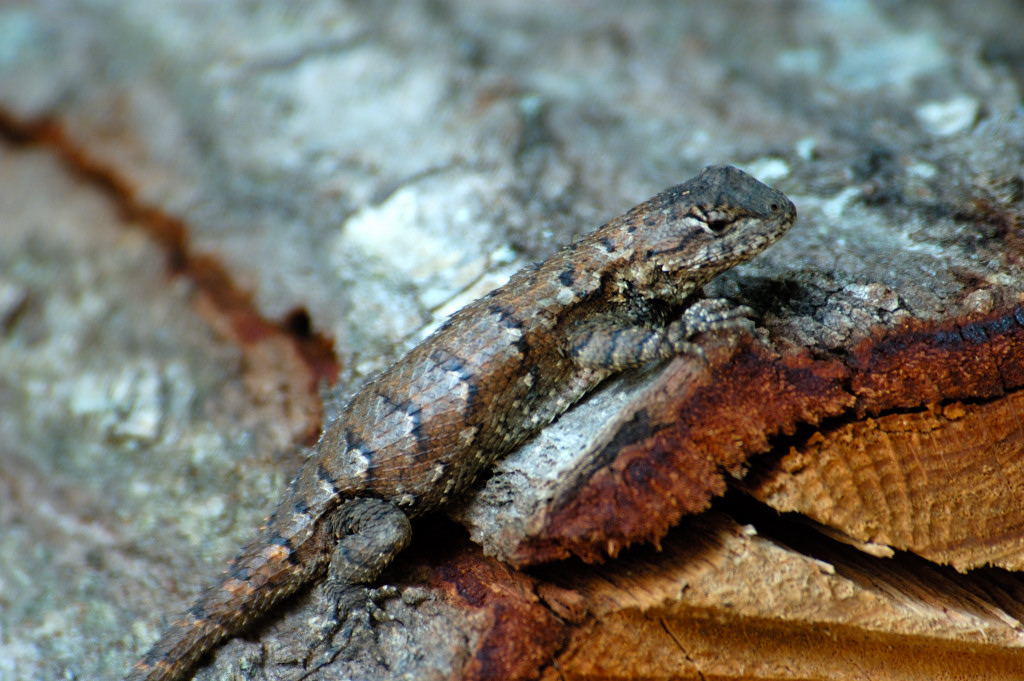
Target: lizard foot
(350, 613)
(709, 314)
(715, 314)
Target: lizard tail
(263, 574)
(180, 647)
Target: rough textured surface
(667, 448)
(478, 136)
(96, 391)
(719, 601)
(660, 456)
(944, 483)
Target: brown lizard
(496, 372)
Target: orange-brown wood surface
(944, 482)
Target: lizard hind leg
(369, 534)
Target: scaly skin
(499, 370)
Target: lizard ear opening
(718, 225)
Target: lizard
(416, 436)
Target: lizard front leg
(617, 344)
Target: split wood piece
(719, 601)
(670, 449)
(945, 482)
(942, 479)
(664, 455)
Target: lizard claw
(716, 314)
(350, 613)
(707, 315)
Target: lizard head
(692, 232)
